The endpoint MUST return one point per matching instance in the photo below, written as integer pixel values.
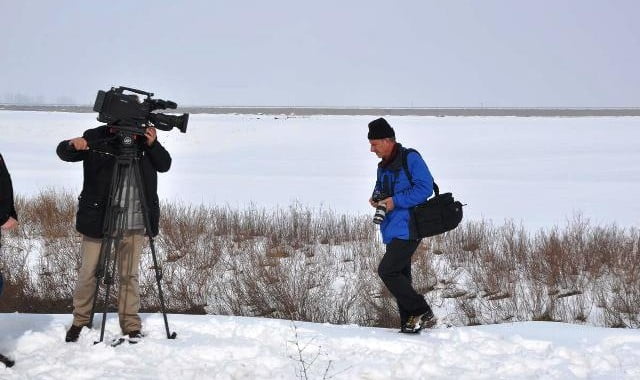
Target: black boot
(135, 336)
(73, 333)
(6, 361)
(427, 320)
(415, 323)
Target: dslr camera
(118, 109)
(381, 209)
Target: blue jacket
(392, 180)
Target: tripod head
(126, 140)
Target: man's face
(382, 147)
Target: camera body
(116, 108)
(381, 209)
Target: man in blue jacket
(400, 193)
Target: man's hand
(150, 134)
(372, 203)
(389, 203)
(79, 143)
(10, 224)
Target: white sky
(418, 53)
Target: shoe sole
(410, 332)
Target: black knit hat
(380, 129)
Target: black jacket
(98, 163)
(7, 209)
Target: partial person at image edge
(8, 221)
(8, 215)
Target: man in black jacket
(8, 216)
(98, 149)
(8, 220)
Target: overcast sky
(420, 53)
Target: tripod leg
(160, 294)
(103, 262)
(6, 361)
(156, 267)
(114, 224)
(109, 282)
(108, 227)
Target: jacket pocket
(90, 216)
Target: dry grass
(320, 266)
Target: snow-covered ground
(537, 170)
(223, 347)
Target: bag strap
(405, 166)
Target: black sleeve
(7, 208)
(160, 158)
(67, 153)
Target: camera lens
(381, 212)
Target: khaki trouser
(128, 252)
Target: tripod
(126, 176)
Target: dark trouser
(395, 272)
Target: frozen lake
(540, 171)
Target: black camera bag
(438, 214)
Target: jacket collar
(394, 161)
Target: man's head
(382, 138)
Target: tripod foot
(8, 362)
(172, 336)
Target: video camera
(118, 109)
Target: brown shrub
(320, 266)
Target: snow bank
(224, 347)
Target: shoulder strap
(405, 166)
